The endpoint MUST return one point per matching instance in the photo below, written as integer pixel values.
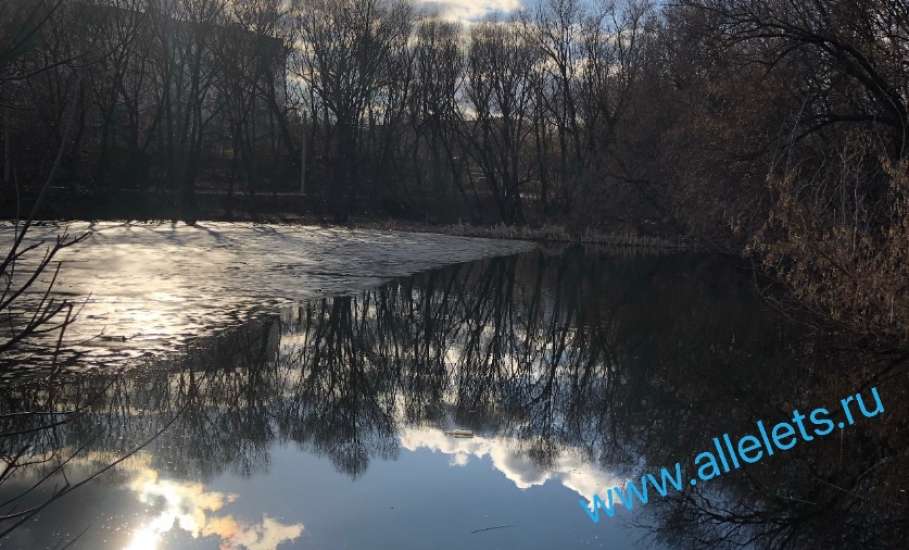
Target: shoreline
(545, 234)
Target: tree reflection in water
(628, 363)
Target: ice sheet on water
(148, 289)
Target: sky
(466, 11)
(470, 11)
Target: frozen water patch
(148, 289)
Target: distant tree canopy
(656, 118)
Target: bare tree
(555, 30)
(857, 50)
(439, 67)
(500, 95)
(345, 45)
(20, 274)
(185, 76)
(111, 29)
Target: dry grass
(545, 234)
(851, 273)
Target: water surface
(468, 406)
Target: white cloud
(466, 11)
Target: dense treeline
(776, 125)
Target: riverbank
(297, 209)
(545, 234)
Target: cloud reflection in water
(569, 467)
(190, 507)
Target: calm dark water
(470, 406)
